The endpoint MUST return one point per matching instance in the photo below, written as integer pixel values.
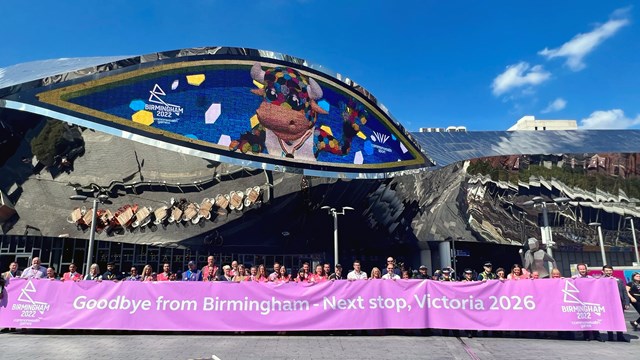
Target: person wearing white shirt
(356, 273)
(35, 271)
(390, 273)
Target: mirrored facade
(81, 150)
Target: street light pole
(92, 234)
(604, 257)
(333, 212)
(635, 242)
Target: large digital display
(247, 108)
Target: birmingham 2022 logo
(586, 311)
(28, 307)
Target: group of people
(629, 293)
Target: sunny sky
(481, 64)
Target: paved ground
(112, 345)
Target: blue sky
(482, 64)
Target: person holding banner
(376, 274)
(337, 275)
(517, 273)
(13, 271)
(607, 272)
(94, 273)
(422, 273)
(467, 275)
(147, 273)
(240, 274)
(633, 290)
(133, 276)
(390, 275)
(72, 274)
(356, 273)
(211, 274)
(111, 273)
(166, 273)
(226, 274)
(283, 276)
(276, 271)
(51, 274)
(319, 275)
(262, 274)
(583, 273)
(192, 274)
(35, 271)
(487, 274)
(210, 262)
(446, 275)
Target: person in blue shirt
(192, 274)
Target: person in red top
(283, 275)
(210, 275)
(319, 275)
(262, 274)
(302, 277)
(166, 273)
(210, 262)
(517, 273)
(72, 274)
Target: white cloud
(518, 75)
(556, 105)
(609, 119)
(577, 48)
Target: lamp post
(92, 232)
(635, 242)
(545, 231)
(599, 225)
(333, 212)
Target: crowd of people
(629, 293)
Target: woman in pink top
(517, 273)
(283, 276)
(262, 274)
(302, 277)
(319, 275)
(210, 275)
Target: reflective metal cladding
(243, 106)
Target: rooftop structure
(529, 123)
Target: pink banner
(549, 304)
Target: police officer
(467, 275)
(422, 273)
(446, 275)
(487, 274)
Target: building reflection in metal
(481, 200)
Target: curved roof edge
(58, 70)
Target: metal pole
(453, 244)
(92, 235)
(335, 236)
(546, 234)
(635, 242)
(604, 257)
